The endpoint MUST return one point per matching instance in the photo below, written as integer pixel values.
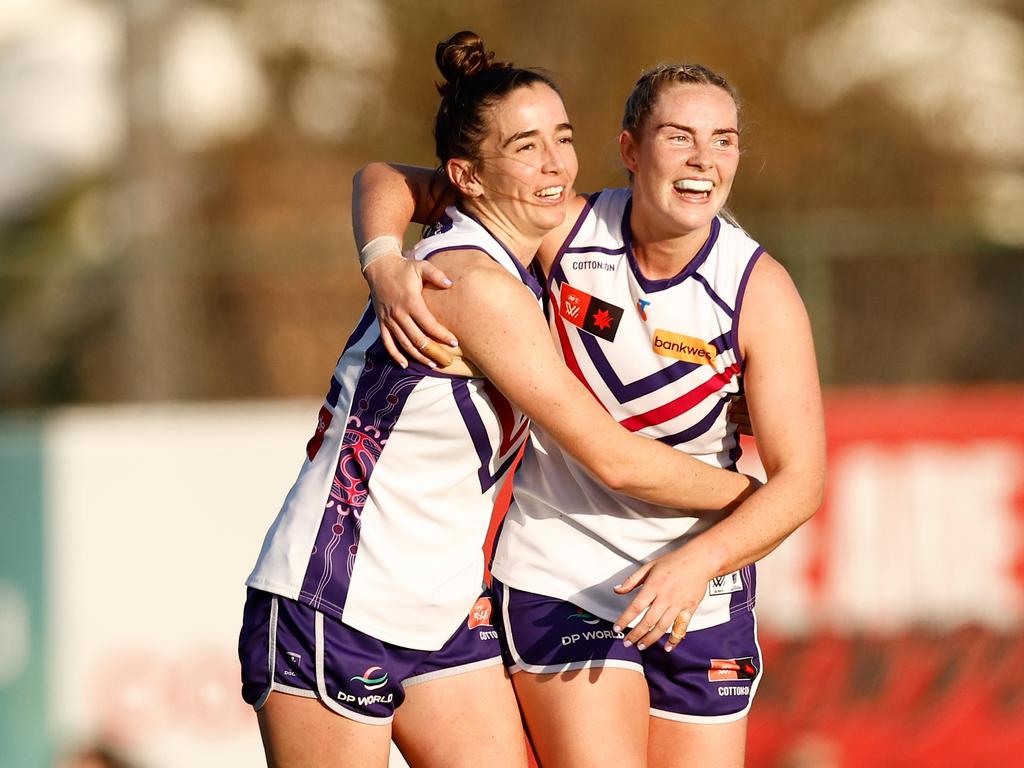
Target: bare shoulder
(770, 285)
(772, 307)
(480, 287)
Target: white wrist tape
(379, 247)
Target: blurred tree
(213, 259)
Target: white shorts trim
(534, 669)
(518, 665)
(439, 674)
(321, 685)
(732, 717)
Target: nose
(553, 162)
(701, 156)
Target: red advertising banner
(897, 636)
(891, 622)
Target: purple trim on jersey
(698, 429)
(379, 397)
(596, 249)
(746, 598)
(556, 264)
(625, 393)
(528, 279)
(334, 392)
(362, 326)
(734, 454)
(741, 291)
(711, 292)
(653, 286)
(482, 443)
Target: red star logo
(603, 319)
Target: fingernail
(669, 648)
(627, 643)
(640, 647)
(616, 628)
(448, 283)
(431, 364)
(453, 342)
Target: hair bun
(463, 55)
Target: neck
(522, 245)
(663, 255)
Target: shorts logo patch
(724, 585)
(732, 669)
(585, 617)
(372, 679)
(589, 313)
(322, 423)
(687, 348)
(480, 614)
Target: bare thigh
(299, 732)
(588, 718)
(463, 721)
(691, 745)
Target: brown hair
(647, 89)
(473, 82)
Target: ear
(462, 175)
(628, 150)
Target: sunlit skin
(521, 186)
(692, 133)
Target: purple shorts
(710, 677)
(290, 647)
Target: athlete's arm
(784, 400)
(503, 331)
(386, 198)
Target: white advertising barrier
(156, 516)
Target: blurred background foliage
(176, 175)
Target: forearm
(760, 523)
(658, 474)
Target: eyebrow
(716, 132)
(530, 134)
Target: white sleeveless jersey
(662, 357)
(384, 526)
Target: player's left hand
(671, 587)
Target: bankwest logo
(681, 347)
(732, 669)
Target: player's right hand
(406, 324)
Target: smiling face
(527, 165)
(684, 161)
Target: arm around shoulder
(502, 329)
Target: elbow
(367, 174)
(610, 475)
(814, 495)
